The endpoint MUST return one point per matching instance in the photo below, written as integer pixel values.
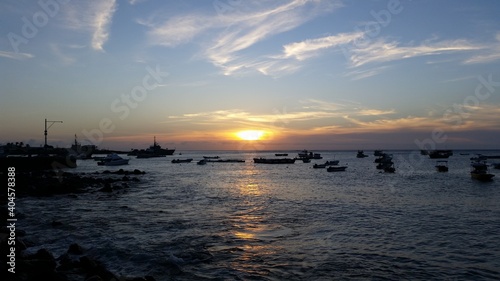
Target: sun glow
(250, 135)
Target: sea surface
(247, 221)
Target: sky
(251, 75)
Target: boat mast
(46, 128)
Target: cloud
(177, 30)
(358, 74)
(16, 56)
(489, 55)
(232, 33)
(309, 111)
(311, 47)
(92, 16)
(383, 51)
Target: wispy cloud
(16, 56)
(310, 110)
(92, 16)
(333, 118)
(358, 74)
(383, 51)
(489, 55)
(311, 47)
(233, 33)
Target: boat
(378, 153)
(305, 154)
(281, 154)
(82, 151)
(384, 157)
(332, 163)
(154, 150)
(389, 167)
(361, 154)
(225, 160)
(336, 168)
(319, 166)
(202, 162)
(113, 159)
(182, 160)
(274, 160)
(435, 154)
(480, 171)
(442, 166)
(210, 157)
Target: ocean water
(247, 221)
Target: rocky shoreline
(75, 264)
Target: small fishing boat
(361, 154)
(480, 171)
(336, 168)
(442, 166)
(389, 168)
(182, 160)
(225, 160)
(211, 157)
(274, 160)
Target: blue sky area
(318, 74)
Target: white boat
(113, 159)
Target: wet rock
(94, 278)
(87, 263)
(75, 249)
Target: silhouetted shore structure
(26, 158)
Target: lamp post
(46, 128)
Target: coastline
(28, 261)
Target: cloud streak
(92, 16)
(16, 56)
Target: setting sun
(250, 135)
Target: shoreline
(24, 261)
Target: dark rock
(75, 249)
(102, 272)
(94, 278)
(87, 263)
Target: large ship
(82, 151)
(154, 150)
